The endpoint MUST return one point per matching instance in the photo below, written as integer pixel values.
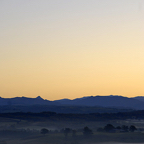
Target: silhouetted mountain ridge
(106, 101)
(141, 98)
(111, 101)
(26, 101)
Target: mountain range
(106, 101)
(89, 103)
(25, 101)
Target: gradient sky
(71, 48)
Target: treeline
(66, 131)
(111, 128)
(86, 117)
(60, 109)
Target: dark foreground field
(59, 138)
(22, 128)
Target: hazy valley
(110, 119)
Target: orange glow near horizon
(71, 49)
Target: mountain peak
(38, 97)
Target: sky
(71, 48)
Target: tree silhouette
(66, 132)
(87, 131)
(109, 128)
(73, 133)
(132, 128)
(44, 131)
